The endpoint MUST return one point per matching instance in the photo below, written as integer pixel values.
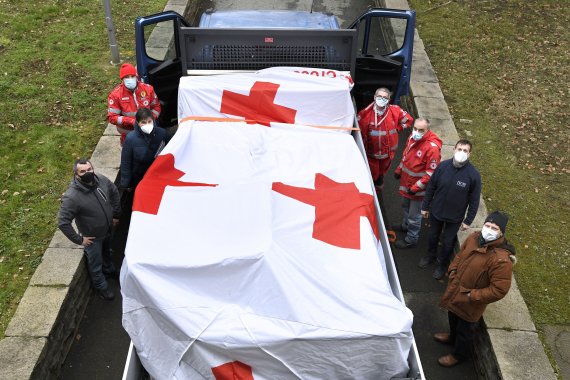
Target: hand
(464, 227)
(425, 214)
(411, 192)
(115, 222)
(87, 241)
(397, 175)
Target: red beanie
(127, 69)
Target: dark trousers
(461, 334)
(448, 232)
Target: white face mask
(130, 83)
(147, 128)
(460, 156)
(416, 135)
(489, 234)
(381, 102)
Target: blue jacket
(451, 191)
(139, 151)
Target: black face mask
(88, 177)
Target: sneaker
(448, 361)
(403, 244)
(106, 294)
(439, 272)
(398, 227)
(426, 261)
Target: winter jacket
(93, 209)
(419, 160)
(138, 153)
(483, 271)
(123, 106)
(380, 135)
(451, 191)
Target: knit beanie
(127, 69)
(499, 218)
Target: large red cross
(259, 106)
(150, 190)
(233, 371)
(338, 208)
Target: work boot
(442, 338)
(106, 294)
(426, 261)
(448, 361)
(403, 244)
(439, 272)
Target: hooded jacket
(419, 161)
(92, 207)
(139, 151)
(483, 272)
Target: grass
(54, 76)
(504, 65)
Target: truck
(374, 51)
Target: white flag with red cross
(316, 97)
(253, 254)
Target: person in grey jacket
(454, 188)
(93, 201)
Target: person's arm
(126, 164)
(452, 269)
(474, 197)
(431, 187)
(67, 212)
(405, 120)
(154, 104)
(113, 108)
(363, 125)
(500, 274)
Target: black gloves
(396, 175)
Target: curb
(509, 347)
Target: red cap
(127, 69)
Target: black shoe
(439, 272)
(402, 244)
(106, 294)
(426, 261)
(398, 227)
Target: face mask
(416, 135)
(88, 177)
(381, 102)
(488, 234)
(147, 128)
(460, 156)
(130, 83)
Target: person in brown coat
(480, 274)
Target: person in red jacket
(127, 98)
(380, 124)
(419, 160)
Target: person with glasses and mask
(380, 123)
(480, 274)
(93, 201)
(454, 188)
(128, 97)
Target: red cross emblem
(233, 371)
(259, 106)
(150, 190)
(338, 208)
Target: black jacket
(93, 209)
(451, 191)
(139, 151)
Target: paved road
(100, 348)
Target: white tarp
(288, 95)
(252, 254)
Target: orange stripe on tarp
(233, 120)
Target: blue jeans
(412, 219)
(448, 238)
(99, 262)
